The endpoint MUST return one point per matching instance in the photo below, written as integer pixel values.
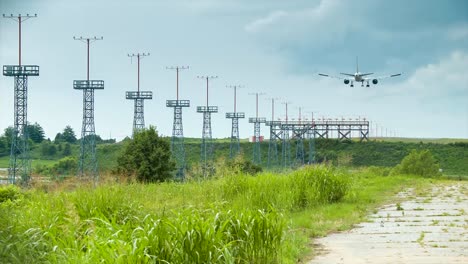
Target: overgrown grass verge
(268, 218)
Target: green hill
(452, 156)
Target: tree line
(37, 139)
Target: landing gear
(367, 85)
(362, 84)
(352, 85)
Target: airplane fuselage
(358, 77)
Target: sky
(274, 47)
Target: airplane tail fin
(357, 64)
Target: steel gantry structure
(286, 148)
(207, 141)
(289, 130)
(234, 148)
(272, 144)
(139, 98)
(299, 135)
(257, 153)
(177, 140)
(87, 165)
(20, 162)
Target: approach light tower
(87, 164)
(20, 163)
(235, 116)
(286, 149)
(177, 141)
(257, 154)
(207, 141)
(139, 97)
(273, 145)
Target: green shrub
(147, 156)
(9, 193)
(418, 163)
(319, 184)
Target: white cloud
(267, 21)
(458, 32)
(446, 78)
(327, 21)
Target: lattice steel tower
(273, 145)
(177, 141)
(286, 149)
(300, 141)
(234, 148)
(87, 164)
(207, 141)
(139, 97)
(257, 153)
(20, 162)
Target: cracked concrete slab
(428, 228)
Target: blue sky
(271, 46)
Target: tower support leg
(87, 165)
(20, 163)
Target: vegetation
(147, 157)
(236, 218)
(418, 163)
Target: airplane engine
(346, 81)
(375, 81)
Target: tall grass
(234, 219)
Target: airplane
(359, 77)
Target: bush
(9, 193)
(147, 156)
(319, 184)
(418, 163)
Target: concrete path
(430, 228)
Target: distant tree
(3, 146)
(36, 133)
(68, 135)
(58, 138)
(48, 149)
(67, 150)
(8, 133)
(147, 156)
(418, 163)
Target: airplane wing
(347, 74)
(384, 77)
(365, 74)
(330, 76)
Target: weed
(398, 207)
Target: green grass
(423, 140)
(451, 154)
(5, 160)
(269, 218)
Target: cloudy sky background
(271, 46)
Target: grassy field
(269, 218)
(423, 140)
(4, 162)
(452, 157)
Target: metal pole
(235, 93)
(19, 43)
(177, 70)
(256, 104)
(138, 57)
(272, 109)
(207, 92)
(87, 42)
